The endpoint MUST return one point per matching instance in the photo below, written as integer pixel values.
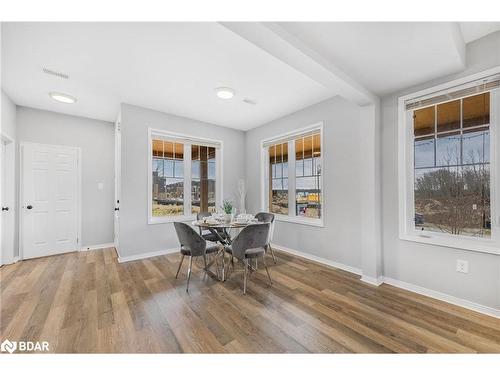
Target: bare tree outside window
(452, 167)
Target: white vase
(228, 218)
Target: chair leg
(216, 261)
(189, 272)
(205, 261)
(267, 269)
(230, 269)
(223, 269)
(245, 276)
(180, 264)
(272, 253)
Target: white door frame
(116, 220)
(78, 195)
(9, 163)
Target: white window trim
(187, 140)
(264, 172)
(407, 231)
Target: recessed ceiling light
(62, 98)
(224, 92)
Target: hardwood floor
(88, 302)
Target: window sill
(478, 245)
(300, 220)
(170, 219)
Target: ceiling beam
(284, 46)
(458, 40)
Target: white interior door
(50, 200)
(7, 201)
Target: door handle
(5, 208)
(29, 207)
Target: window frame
(264, 173)
(187, 141)
(407, 230)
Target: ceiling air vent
(249, 101)
(56, 74)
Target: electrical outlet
(462, 266)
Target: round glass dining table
(222, 231)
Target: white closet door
(50, 200)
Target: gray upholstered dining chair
(249, 244)
(206, 234)
(192, 245)
(267, 217)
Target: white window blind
(461, 91)
(186, 139)
(290, 137)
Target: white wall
(136, 235)
(340, 239)
(96, 140)
(8, 117)
(8, 128)
(429, 266)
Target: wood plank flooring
(88, 302)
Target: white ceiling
(175, 67)
(385, 56)
(475, 30)
(170, 67)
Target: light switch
(100, 186)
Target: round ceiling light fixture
(224, 92)
(62, 98)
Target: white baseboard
(131, 258)
(315, 258)
(397, 283)
(372, 280)
(444, 297)
(97, 247)
(14, 260)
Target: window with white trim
(184, 176)
(168, 178)
(292, 176)
(278, 175)
(203, 179)
(449, 159)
